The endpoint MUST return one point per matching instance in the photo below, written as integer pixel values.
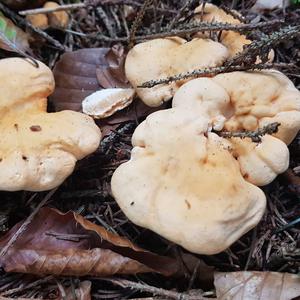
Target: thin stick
(49, 10)
(255, 136)
(137, 22)
(85, 5)
(26, 223)
(187, 4)
(211, 71)
(143, 287)
(28, 286)
(203, 26)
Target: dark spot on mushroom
(132, 203)
(0, 159)
(205, 134)
(24, 157)
(16, 126)
(188, 204)
(246, 175)
(35, 128)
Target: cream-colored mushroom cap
(161, 58)
(234, 41)
(38, 150)
(260, 98)
(169, 185)
(248, 101)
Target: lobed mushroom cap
(161, 58)
(186, 186)
(261, 98)
(38, 150)
(233, 41)
(193, 187)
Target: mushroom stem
(255, 136)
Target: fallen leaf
(67, 244)
(23, 4)
(12, 38)
(80, 73)
(257, 286)
(83, 292)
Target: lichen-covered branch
(212, 71)
(193, 28)
(242, 61)
(261, 47)
(255, 136)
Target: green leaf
(12, 38)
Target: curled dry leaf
(80, 73)
(12, 38)
(106, 102)
(67, 244)
(257, 286)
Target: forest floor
(274, 245)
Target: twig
(255, 136)
(106, 20)
(257, 48)
(233, 13)
(143, 287)
(287, 226)
(212, 71)
(23, 22)
(242, 61)
(137, 22)
(49, 10)
(180, 13)
(192, 28)
(26, 223)
(28, 286)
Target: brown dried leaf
(257, 286)
(80, 73)
(67, 244)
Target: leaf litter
(261, 249)
(67, 244)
